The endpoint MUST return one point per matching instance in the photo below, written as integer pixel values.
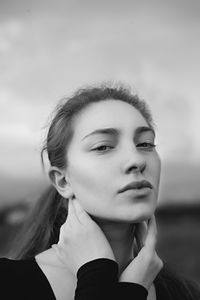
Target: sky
(50, 48)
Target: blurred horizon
(181, 188)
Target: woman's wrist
(97, 279)
(99, 266)
(130, 290)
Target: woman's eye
(102, 148)
(146, 146)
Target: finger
(153, 225)
(82, 215)
(151, 233)
(140, 234)
(72, 216)
(153, 220)
(70, 208)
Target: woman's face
(112, 146)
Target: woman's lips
(142, 192)
(137, 186)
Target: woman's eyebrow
(116, 132)
(142, 129)
(108, 131)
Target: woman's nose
(134, 161)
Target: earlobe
(58, 179)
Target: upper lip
(136, 185)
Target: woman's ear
(58, 179)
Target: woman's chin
(137, 214)
(126, 215)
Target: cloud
(16, 131)
(10, 31)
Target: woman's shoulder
(24, 270)
(175, 286)
(12, 266)
(19, 277)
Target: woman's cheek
(84, 179)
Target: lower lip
(143, 192)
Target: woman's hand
(144, 268)
(81, 239)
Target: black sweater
(96, 280)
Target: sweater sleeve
(98, 279)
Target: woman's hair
(42, 226)
(41, 229)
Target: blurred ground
(178, 243)
(179, 238)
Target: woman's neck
(121, 237)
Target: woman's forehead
(105, 114)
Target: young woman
(92, 235)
